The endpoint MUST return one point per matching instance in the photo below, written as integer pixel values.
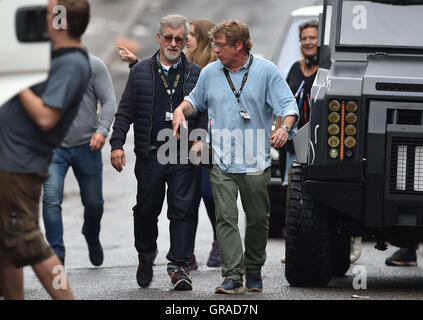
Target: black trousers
(152, 178)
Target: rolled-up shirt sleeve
(280, 98)
(198, 96)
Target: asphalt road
(116, 278)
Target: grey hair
(174, 21)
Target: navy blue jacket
(137, 104)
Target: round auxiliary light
(333, 129)
(350, 130)
(333, 141)
(334, 117)
(333, 153)
(351, 117)
(349, 153)
(350, 142)
(334, 105)
(351, 106)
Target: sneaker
(180, 280)
(230, 286)
(402, 257)
(254, 282)
(192, 264)
(214, 256)
(95, 252)
(144, 273)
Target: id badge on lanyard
(242, 112)
(169, 116)
(170, 92)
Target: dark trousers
(152, 178)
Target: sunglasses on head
(169, 38)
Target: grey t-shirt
(24, 147)
(88, 120)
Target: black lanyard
(244, 80)
(170, 92)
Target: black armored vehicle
(359, 168)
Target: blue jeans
(87, 167)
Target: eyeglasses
(169, 38)
(218, 45)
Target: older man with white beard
(154, 88)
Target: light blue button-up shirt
(242, 146)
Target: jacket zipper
(152, 105)
(151, 111)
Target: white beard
(172, 56)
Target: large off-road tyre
(340, 249)
(308, 262)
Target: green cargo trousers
(255, 202)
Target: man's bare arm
(183, 110)
(44, 116)
(278, 123)
(280, 136)
(289, 121)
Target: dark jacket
(137, 104)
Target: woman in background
(300, 79)
(200, 52)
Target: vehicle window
(372, 24)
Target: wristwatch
(286, 128)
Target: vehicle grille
(406, 166)
(404, 87)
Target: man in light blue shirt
(240, 92)
(265, 92)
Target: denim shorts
(21, 240)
